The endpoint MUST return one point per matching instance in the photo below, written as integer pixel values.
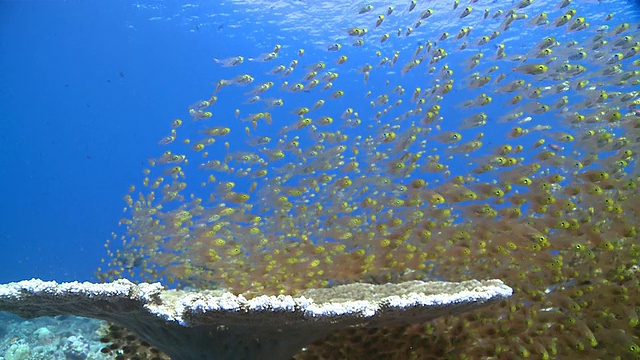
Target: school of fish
(530, 177)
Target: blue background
(83, 87)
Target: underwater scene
(267, 147)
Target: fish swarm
(458, 155)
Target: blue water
(84, 85)
(88, 88)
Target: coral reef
(47, 338)
(220, 325)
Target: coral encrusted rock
(214, 324)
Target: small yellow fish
(228, 62)
(532, 69)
